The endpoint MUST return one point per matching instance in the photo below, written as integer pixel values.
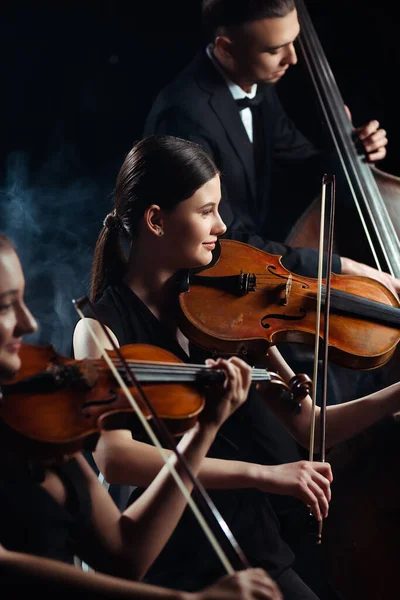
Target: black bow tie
(247, 102)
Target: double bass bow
(375, 194)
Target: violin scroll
(301, 385)
(289, 394)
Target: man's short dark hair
(221, 15)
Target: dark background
(77, 82)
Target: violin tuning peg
(301, 385)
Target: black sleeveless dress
(31, 521)
(251, 434)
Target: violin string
(165, 367)
(351, 303)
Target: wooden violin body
(63, 404)
(57, 406)
(248, 301)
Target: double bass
(373, 201)
(361, 534)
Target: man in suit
(251, 47)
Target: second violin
(246, 301)
(59, 405)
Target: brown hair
(159, 169)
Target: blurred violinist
(52, 513)
(165, 217)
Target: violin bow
(169, 441)
(328, 183)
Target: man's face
(263, 50)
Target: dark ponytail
(109, 263)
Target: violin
(245, 300)
(57, 406)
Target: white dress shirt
(237, 92)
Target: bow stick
(328, 183)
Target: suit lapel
(225, 109)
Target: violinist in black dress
(165, 219)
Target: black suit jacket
(198, 105)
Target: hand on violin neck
(373, 139)
(223, 400)
(352, 267)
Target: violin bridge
(89, 375)
(286, 289)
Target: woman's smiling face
(15, 318)
(192, 228)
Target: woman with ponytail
(165, 218)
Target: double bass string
(379, 229)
